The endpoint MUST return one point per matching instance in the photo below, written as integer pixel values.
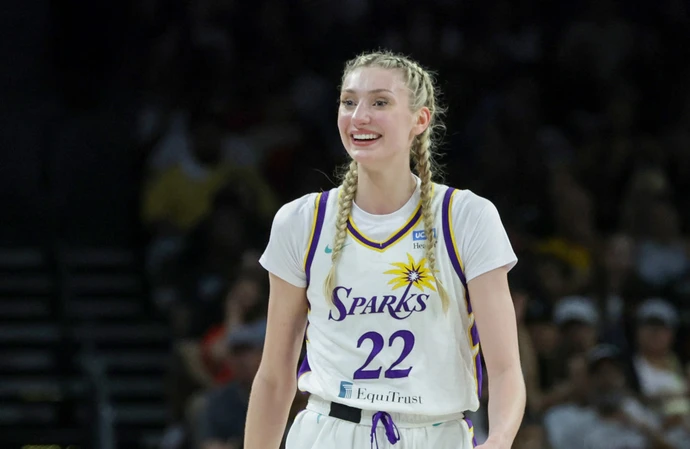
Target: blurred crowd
(572, 117)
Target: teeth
(366, 136)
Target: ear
(423, 119)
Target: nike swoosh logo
(329, 250)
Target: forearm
(506, 405)
(269, 406)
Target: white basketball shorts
(313, 428)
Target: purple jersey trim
(393, 239)
(457, 266)
(316, 233)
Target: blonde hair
(420, 82)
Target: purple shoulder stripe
(448, 238)
(320, 216)
(457, 266)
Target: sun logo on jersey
(411, 273)
(399, 306)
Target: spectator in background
(614, 430)
(177, 200)
(658, 370)
(201, 359)
(568, 423)
(645, 186)
(614, 282)
(196, 179)
(566, 404)
(624, 422)
(528, 354)
(181, 196)
(221, 424)
(608, 374)
(212, 258)
(662, 255)
(578, 320)
(545, 338)
(244, 304)
(575, 241)
(553, 276)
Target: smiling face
(375, 120)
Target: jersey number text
(377, 341)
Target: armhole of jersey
(449, 235)
(456, 261)
(470, 430)
(315, 234)
(317, 224)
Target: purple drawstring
(392, 432)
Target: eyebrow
(373, 91)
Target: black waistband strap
(345, 412)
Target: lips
(364, 140)
(363, 137)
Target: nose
(361, 114)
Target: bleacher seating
(38, 387)
(109, 319)
(81, 357)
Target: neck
(384, 192)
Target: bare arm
(495, 316)
(275, 382)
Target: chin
(368, 158)
(365, 153)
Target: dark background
(147, 146)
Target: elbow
(517, 377)
(275, 380)
(511, 368)
(510, 377)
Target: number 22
(377, 341)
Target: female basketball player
(394, 278)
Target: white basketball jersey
(383, 341)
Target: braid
(423, 166)
(345, 201)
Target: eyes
(349, 103)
